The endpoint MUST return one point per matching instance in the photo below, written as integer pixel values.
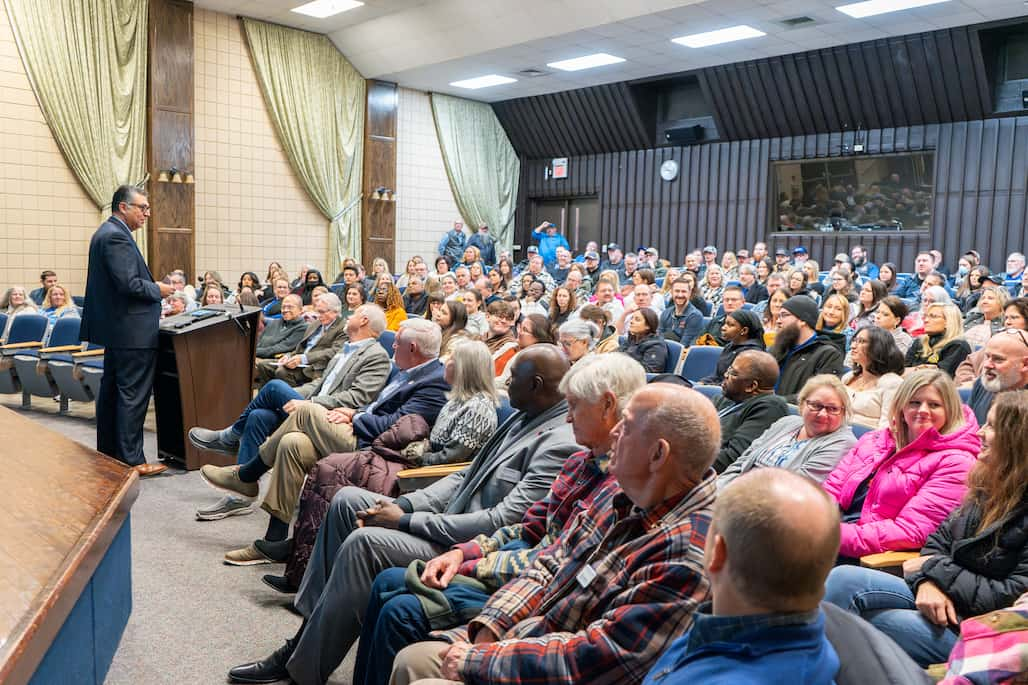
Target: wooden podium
(204, 377)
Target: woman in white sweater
(877, 369)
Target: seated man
(365, 533)
(748, 405)
(352, 380)
(319, 344)
(282, 334)
(604, 601)
(773, 538)
(46, 279)
(800, 350)
(313, 431)
(597, 389)
(681, 321)
(1005, 368)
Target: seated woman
(833, 323)
(452, 317)
(409, 272)
(272, 308)
(353, 297)
(306, 289)
(887, 274)
(563, 305)
(477, 325)
(877, 369)
(388, 297)
(500, 338)
(58, 303)
(742, 331)
(899, 483)
(841, 283)
(577, 338)
(942, 344)
(14, 303)
(1015, 315)
(212, 294)
(712, 286)
(247, 280)
(769, 317)
(870, 297)
(810, 444)
(643, 343)
(608, 340)
(889, 317)
(465, 423)
(987, 317)
(975, 562)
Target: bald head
(761, 367)
(687, 421)
(1006, 361)
(535, 378)
(774, 538)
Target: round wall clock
(669, 170)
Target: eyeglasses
(817, 408)
(143, 208)
(731, 372)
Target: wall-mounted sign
(560, 167)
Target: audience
(477, 325)
(889, 316)
(942, 345)
(810, 444)
(975, 561)
(748, 405)
(681, 321)
(415, 297)
(364, 533)
(1015, 315)
(647, 578)
(452, 319)
(801, 351)
(877, 367)
(57, 303)
(987, 316)
(643, 341)
(387, 296)
(833, 321)
(320, 342)
(47, 279)
(731, 300)
(898, 483)
(577, 338)
(283, 333)
(772, 540)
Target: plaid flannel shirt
(572, 491)
(604, 601)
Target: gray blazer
(815, 459)
(361, 379)
(511, 472)
(327, 346)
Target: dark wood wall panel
(723, 193)
(378, 217)
(170, 143)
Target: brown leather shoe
(145, 470)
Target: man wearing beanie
(800, 351)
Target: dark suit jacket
(423, 394)
(327, 346)
(123, 304)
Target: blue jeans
(887, 603)
(261, 417)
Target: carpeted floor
(192, 617)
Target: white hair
(580, 329)
(425, 334)
(376, 317)
(595, 375)
(331, 301)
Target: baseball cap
(780, 252)
(992, 278)
(613, 246)
(799, 250)
(591, 255)
(532, 249)
(710, 248)
(651, 250)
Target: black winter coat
(651, 352)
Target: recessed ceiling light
(326, 8)
(483, 81)
(600, 59)
(859, 10)
(732, 33)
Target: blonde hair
(610, 276)
(68, 301)
(954, 328)
(914, 381)
(841, 301)
(827, 380)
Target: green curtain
(316, 102)
(481, 164)
(86, 61)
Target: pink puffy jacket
(912, 491)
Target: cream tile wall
(425, 209)
(250, 208)
(46, 218)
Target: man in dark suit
(314, 431)
(321, 341)
(122, 312)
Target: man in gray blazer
(513, 470)
(352, 379)
(319, 344)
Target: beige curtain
(86, 61)
(316, 102)
(481, 164)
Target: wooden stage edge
(91, 496)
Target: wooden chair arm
(60, 348)
(887, 559)
(22, 346)
(435, 471)
(87, 355)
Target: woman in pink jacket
(897, 484)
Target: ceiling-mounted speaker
(684, 135)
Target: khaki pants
(294, 448)
(420, 664)
(268, 369)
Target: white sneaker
(226, 506)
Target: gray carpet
(192, 616)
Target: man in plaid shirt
(620, 583)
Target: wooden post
(378, 216)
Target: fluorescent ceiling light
(859, 10)
(732, 33)
(483, 81)
(326, 8)
(600, 59)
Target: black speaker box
(684, 135)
